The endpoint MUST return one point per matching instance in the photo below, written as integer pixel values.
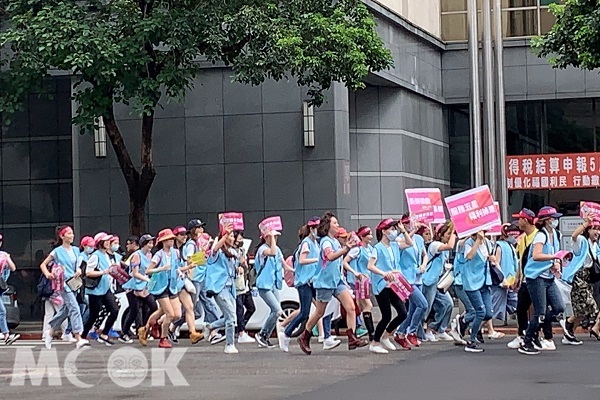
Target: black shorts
(165, 294)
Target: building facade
(231, 147)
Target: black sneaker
(261, 340)
(270, 345)
(537, 344)
(472, 347)
(573, 341)
(528, 349)
(11, 338)
(105, 340)
(173, 337)
(480, 337)
(462, 326)
(125, 339)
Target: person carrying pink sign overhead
(384, 262)
(328, 283)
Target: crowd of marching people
(413, 271)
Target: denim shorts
(325, 295)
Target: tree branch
(131, 175)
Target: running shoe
(567, 329)
(403, 342)
(93, 335)
(537, 344)
(11, 338)
(125, 339)
(360, 332)
(444, 337)
(164, 344)
(217, 338)
(82, 343)
(261, 340)
(413, 340)
(430, 337)
(571, 341)
(244, 338)
(113, 334)
(330, 343)
(515, 343)
(377, 349)
(68, 337)
(230, 349)
(473, 347)
(172, 337)
(284, 341)
(105, 340)
(528, 350)
(548, 345)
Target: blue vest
(6, 271)
(533, 269)
(104, 285)
(459, 266)
(270, 275)
(176, 284)
(476, 272)
(305, 273)
(410, 261)
(361, 263)
(434, 268)
(134, 283)
(386, 264)
(62, 258)
(159, 281)
(509, 261)
(199, 272)
(329, 275)
(577, 262)
(220, 270)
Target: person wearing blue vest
(269, 264)
(503, 298)
(306, 262)
(478, 253)
(64, 255)
(357, 263)
(137, 287)
(459, 327)
(576, 275)
(165, 284)
(438, 253)
(539, 271)
(328, 283)
(384, 262)
(411, 260)
(6, 267)
(98, 266)
(221, 270)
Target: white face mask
(114, 248)
(89, 250)
(392, 235)
(554, 224)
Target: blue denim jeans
(481, 300)
(205, 305)
(305, 294)
(442, 303)
(85, 314)
(271, 298)
(227, 304)
(3, 316)
(327, 326)
(547, 303)
(462, 296)
(417, 306)
(70, 309)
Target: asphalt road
(437, 370)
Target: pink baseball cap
(548, 212)
(179, 230)
(88, 241)
(102, 237)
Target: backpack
(44, 287)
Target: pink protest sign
(234, 218)
(496, 230)
(587, 208)
(270, 224)
(472, 211)
(425, 205)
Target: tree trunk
(137, 216)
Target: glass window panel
(460, 147)
(16, 204)
(570, 126)
(454, 27)
(519, 23)
(44, 203)
(44, 115)
(548, 2)
(15, 161)
(547, 20)
(44, 163)
(518, 3)
(41, 243)
(65, 159)
(19, 126)
(454, 5)
(523, 128)
(66, 202)
(17, 242)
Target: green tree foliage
(136, 51)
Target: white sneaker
(377, 349)
(496, 335)
(571, 342)
(444, 337)
(68, 337)
(321, 339)
(548, 345)
(284, 342)
(48, 340)
(279, 328)
(430, 337)
(387, 344)
(330, 343)
(82, 343)
(230, 349)
(244, 338)
(515, 343)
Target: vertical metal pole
(489, 126)
(500, 110)
(475, 106)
